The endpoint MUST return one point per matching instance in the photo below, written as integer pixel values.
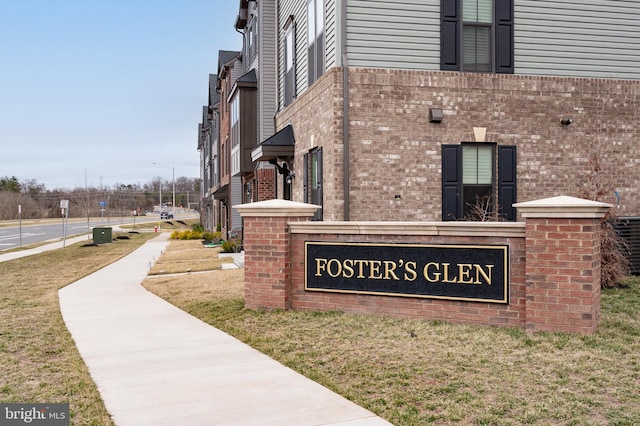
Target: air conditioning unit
(629, 229)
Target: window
(289, 63)
(312, 180)
(251, 40)
(469, 181)
(315, 40)
(477, 176)
(235, 135)
(477, 36)
(477, 20)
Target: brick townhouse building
(412, 111)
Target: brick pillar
(562, 264)
(267, 251)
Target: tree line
(30, 199)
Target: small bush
(231, 246)
(615, 263)
(186, 235)
(197, 227)
(615, 254)
(211, 237)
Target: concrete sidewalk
(46, 247)
(156, 365)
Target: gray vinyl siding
(236, 72)
(297, 9)
(236, 199)
(590, 38)
(394, 34)
(254, 10)
(267, 93)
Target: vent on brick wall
(629, 229)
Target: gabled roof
(226, 56)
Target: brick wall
(316, 116)
(394, 150)
(563, 270)
(554, 265)
(512, 315)
(266, 182)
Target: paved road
(14, 236)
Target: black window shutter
(451, 182)
(305, 178)
(319, 197)
(449, 35)
(504, 36)
(507, 182)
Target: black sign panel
(458, 272)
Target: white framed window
(315, 40)
(289, 63)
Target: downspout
(345, 107)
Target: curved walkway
(154, 364)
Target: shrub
(231, 246)
(614, 249)
(211, 237)
(614, 252)
(186, 235)
(197, 227)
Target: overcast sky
(96, 91)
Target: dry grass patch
(414, 372)
(188, 256)
(162, 224)
(38, 357)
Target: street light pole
(173, 178)
(173, 171)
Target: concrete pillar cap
(563, 207)
(277, 208)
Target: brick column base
(563, 264)
(267, 246)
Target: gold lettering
(320, 266)
(486, 276)
(338, 268)
(360, 264)
(464, 273)
(389, 269)
(432, 277)
(410, 271)
(347, 267)
(374, 269)
(445, 277)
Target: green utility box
(102, 235)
